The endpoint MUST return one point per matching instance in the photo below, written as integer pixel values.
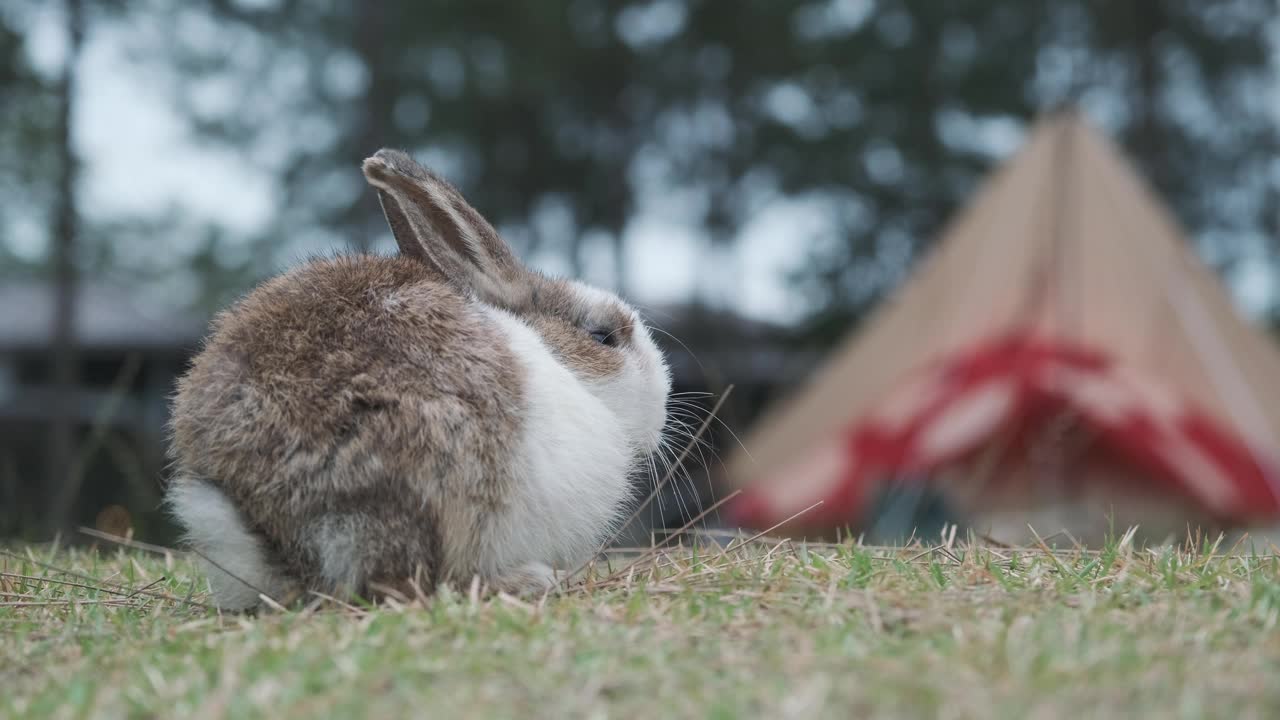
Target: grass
(767, 630)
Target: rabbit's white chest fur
(573, 466)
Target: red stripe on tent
(1010, 387)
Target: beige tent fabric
(1064, 237)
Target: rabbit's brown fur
(366, 374)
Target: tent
(1061, 350)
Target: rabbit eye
(604, 337)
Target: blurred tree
(63, 352)
(563, 119)
(27, 145)
(42, 232)
(25, 155)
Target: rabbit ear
(434, 224)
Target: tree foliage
(28, 145)
(563, 119)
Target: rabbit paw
(528, 579)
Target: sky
(139, 159)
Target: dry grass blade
(161, 550)
(55, 581)
(1044, 547)
(687, 527)
(269, 600)
(115, 602)
(146, 587)
(656, 549)
(99, 585)
(340, 603)
(722, 561)
(762, 533)
(126, 542)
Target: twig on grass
(127, 542)
(160, 549)
(110, 588)
(113, 602)
(55, 581)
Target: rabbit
(368, 423)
